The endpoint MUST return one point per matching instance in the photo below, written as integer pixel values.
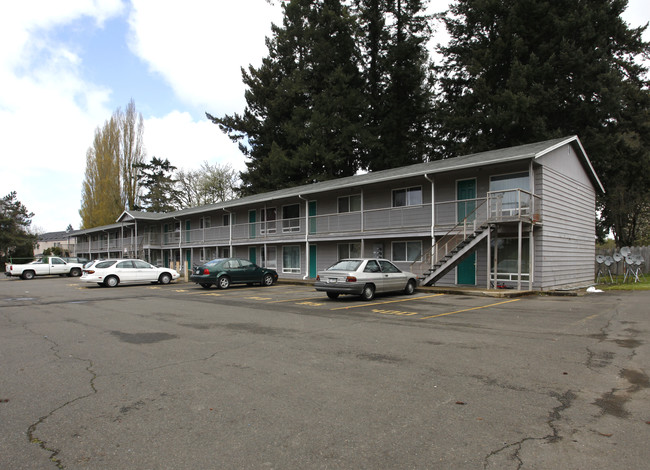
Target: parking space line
(468, 309)
(295, 300)
(388, 302)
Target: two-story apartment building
(521, 217)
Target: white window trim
(406, 242)
(406, 189)
(286, 270)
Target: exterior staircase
(463, 248)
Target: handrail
(453, 234)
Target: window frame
(406, 250)
(407, 199)
(348, 200)
(291, 270)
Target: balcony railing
(498, 206)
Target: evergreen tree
(393, 34)
(156, 178)
(15, 220)
(304, 116)
(131, 152)
(518, 71)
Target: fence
(619, 268)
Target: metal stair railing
(451, 240)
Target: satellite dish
(617, 257)
(608, 261)
(625, 251)
(600, 259)
(629, 260)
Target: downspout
(433, 216)
(531, 237)
(306, 276)
(229, 232)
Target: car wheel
(28, 275)
(410, 287)
(223, 282)
(205, 285)
(368, 292)
(111, 281)
(267, 280)
(333, 295)
(165, 278)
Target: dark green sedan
(225, 271)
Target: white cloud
(187, 143)
(199, 46)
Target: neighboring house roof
(521, 152)
(54, 236)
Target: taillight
(89, 271)
(350, 279)
(317, 277)
(206, 272)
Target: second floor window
(291, 218)
(407, 197)
(350, 203)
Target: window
(205, 222)
(406, 251)
(350, 204)
(291, 259)
(388, 267)
(349, 250)
(268, 217)
(507, 257)
(125, 265)
(226, 220)
(508, 197)
(269, 257)
(372, 267)
(291, 218)
(407, 197)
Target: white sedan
(112, 272)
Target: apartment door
(312, 262)
(466, 195)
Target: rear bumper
(353, 288)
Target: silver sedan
(364, 277)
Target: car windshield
(346, 265)
(214, 262)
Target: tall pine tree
(304, 116)
(518, 71)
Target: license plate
(331, 280)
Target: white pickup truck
(51, 265)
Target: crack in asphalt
(32, 429)
(555, 415)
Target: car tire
(368, 292)
(205, 285)
(333, 295)
(410, 287)
(267, 280)
(165, 278)
(223, 282)
(111, 281)
(28, 275)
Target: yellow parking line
(295, 300)
(468, 309)
(388, 302)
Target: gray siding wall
(565, 244)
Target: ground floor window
(407, 251)
(269, 257)
(349, 250)
(291, 259)
(507, 257)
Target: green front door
(311, 207)
(252, 255)
(312, 261)
(251, 223)
(466, 195)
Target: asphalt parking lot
(178, 377)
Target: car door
(394, 279)
(234, 270)
(144, 271)
(372, 274)
(126, 271)
(58, 266)
(250, 272)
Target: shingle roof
(520, 152)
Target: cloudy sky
(66, 65)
